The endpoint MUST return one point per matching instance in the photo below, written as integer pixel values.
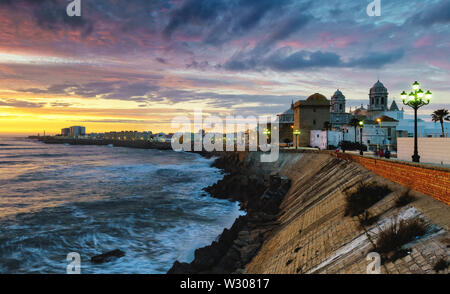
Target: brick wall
(428, 180)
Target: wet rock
(248, 252)
(238, 245)
(108, 256)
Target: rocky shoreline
(258, 195)
(238, 245)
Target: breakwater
(116, 143)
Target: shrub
(367, 220)
(404, 199)
(364, 197)
(398, 234)
(441, 265)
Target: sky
(135, 65)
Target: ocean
(57, 199)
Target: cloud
(196, 12)
(285, 59)
(137, 91)
(435, 14)
(21, 103)
(377, 59)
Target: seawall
(313, 235)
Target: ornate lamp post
(361, 126)
(416, 99)
(296, 133)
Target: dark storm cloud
(435, 14)
(290, 26)
(218, 21)
(285, 59)
(376, 59)
(194, 12)
(107, 90)
(50, 14)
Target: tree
(354, 122)
(438, 116)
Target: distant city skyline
(134, 65)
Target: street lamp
(267, 133)
(361, 126)
(416, 99)
(296, 133)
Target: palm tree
(354, 122)
(438, 116)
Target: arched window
(382, 100)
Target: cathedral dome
(317, 98)
(378, 88)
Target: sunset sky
(134, 65)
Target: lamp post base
(416, 158)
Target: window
(382, 100)
(314, 121)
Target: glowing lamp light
(404, 95)
(412, 96)
(361, 123)
(416, 86)
(428, 95)
(420, 93)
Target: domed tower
(338, 102)
(378, 97)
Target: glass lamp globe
(420, 93)
(404, 95)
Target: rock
(240, 243)
(108, 256)
(240, 271)
(180, 268)
(248, 252)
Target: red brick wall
(425, 179)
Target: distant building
(129, 136)
(310, 114)
(77, 131)
(338, 115)
(65, 132)
(286, 121)
(378, 105)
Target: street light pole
(361, 125)
(416, 101)
(296, 133)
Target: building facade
(310, 114)
(286, 122)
